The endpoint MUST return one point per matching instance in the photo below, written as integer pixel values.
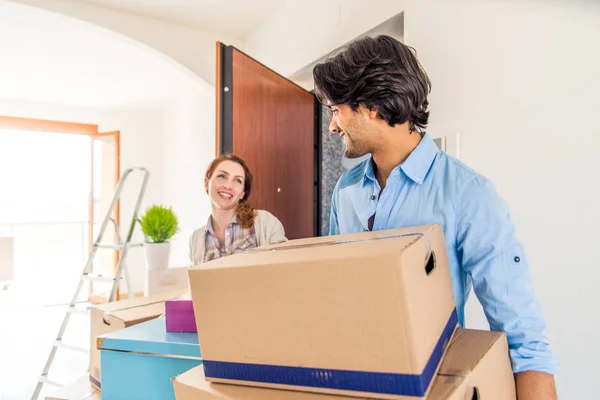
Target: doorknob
(278, 190)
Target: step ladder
(123, 248)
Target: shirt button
(517, 259)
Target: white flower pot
(157, 255)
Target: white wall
(142, 137)
(193, 49)
(520, 82)
(300, 32)
(189, 147)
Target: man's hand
(535, 385)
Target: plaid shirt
(237, 239)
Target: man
(377, 92)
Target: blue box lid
(151, 338)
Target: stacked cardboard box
(139, 362)
(476, 366)
(368, 315)
(117, 315)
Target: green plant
(159, 224)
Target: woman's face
(226, 185)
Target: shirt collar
(369, 170)
(419, 161)
(209, 224)
(415, 166)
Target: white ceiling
(42, 60)
(235, 18)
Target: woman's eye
(238, 181)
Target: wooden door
(271, 123)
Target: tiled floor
(27, 331)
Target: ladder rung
(59, 343)
(44, 379)
(117, 246)
(97, 278)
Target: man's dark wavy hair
(380, 74)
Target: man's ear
(373, 113)
(206, 185)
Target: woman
(233, 225)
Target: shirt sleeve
(495, 259)
(192, 250)
(334, 227)
(195, 251)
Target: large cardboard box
(476, 364)
(80, 389)
(367, 314)
(192, 385)
(138, 362)
(116, 315)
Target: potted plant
(159, 225)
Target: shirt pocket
(244, 244)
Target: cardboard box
(179, 313)
(476, 362)
(367, 314)
(192, 385)
(110, 317)
(81, 389)
(166, 280)
(138, 362)
(482, 359)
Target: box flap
(320, 240)
(112, 307)
(151, 338)
(364, 244)
(131, 316)
(486, 356)
(136, 310)
(467, 349)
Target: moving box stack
(110, 318)
(115, 316)
(368, 315)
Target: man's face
(355, 127)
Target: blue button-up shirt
(483, 251)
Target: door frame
(90, 130)
(224, 118)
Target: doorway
(56, 180)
